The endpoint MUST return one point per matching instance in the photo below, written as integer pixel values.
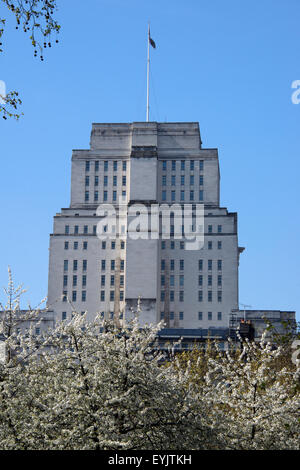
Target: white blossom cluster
(94, 385)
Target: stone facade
(147, 164)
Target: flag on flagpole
(151, 41)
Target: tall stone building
(144, 164)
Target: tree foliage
(37, 19)
(96, 385)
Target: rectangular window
(64, 315)
(75, 281)
(162, 295)
(210, 229)
(219, 228)
(87, 180)
(86, 196)
(163, 245)
(200, 280)
(103, 280)
(74, 296)
(181, 245)
(200, 264)
(219, 245)
(84, 265)
(83, 296)
(173, 165)
(123, 180)
(192, 180)
(122, 265)
(219, 316)
(162, 315)
(65, 282)
(182, 195)
(173, 180)
(124, 166)
(115, 180)
(201, 195)
(191, 195)
(162, 264)
(94, 229)
(164, 165)
(209, 265)
(164, 180)
(173, 195)
(122, 281)
(200, 316)
(172, 315)
(67, 229)
(115, 166)
(209, 296)
(114, 196)
(172, 245)
(106, 166)
(172, 264)
(66, 265)
(181, 265)
(121, 297)
(105, 181)
(181, 315)
(172, 280)
(83, 280)
(200, 296)
(85, 229)
(96, 196)
(219, 280)
(75, 265)
(182, 180)
(102, 295)
(209, 316)
(103, 245)
(64, 296)
(171, 296)
(209, 245)
(181, 280)
(209, 280)
(112, 280)
(219, 265)
(96, 165)
(201, 179)
(162, 280)
(201, 165)
(181, 296)
(87, 166)
(219, 296)
(103, 265)
(66, 245)
(182, 165)
(104, 195)
(164, 195)
(76, 229)
(85, 245)
(122, 245)
(112, 265)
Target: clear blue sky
(228, 65)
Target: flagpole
(148, 70)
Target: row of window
(172, 245)
(200, 264)
(111, 315)
(105, 180)
(87, 196)
(181, 280)
(182, 180)
(84, 265)
(183, 165)
(115, 165)
(75, 294)
(85, 245)
(76, 231)
(183, 195)
(181, 296)
(200, 316)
